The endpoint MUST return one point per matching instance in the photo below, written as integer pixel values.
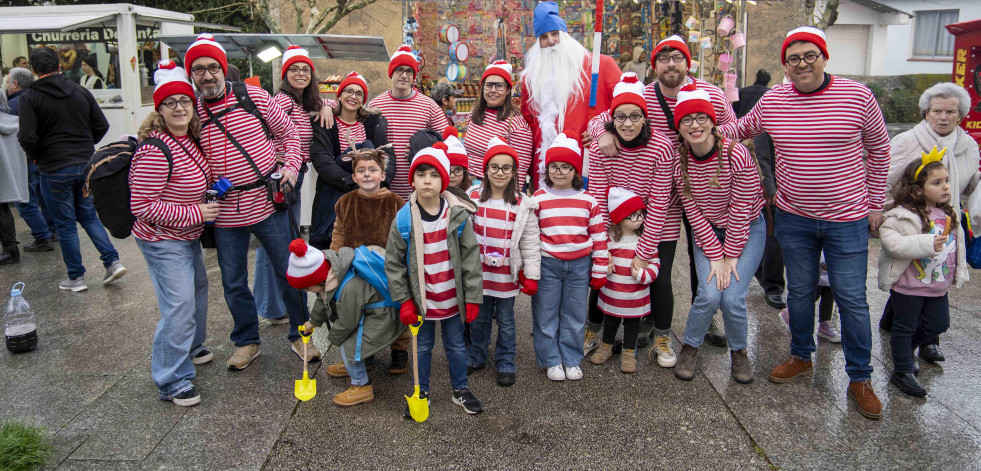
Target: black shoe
(422, 395)
(617, 346)
(8, 258)
(204, 356)
(916, 368)
(187, 398)
(400, 362)
(775, 301)
(715, 336)
(908, 384)
(473, 369)
(505, 378)
(465, 399)
(931, 353)
(40, 245)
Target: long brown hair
(510, 191)
(908, 193)
(309, 97)
(155, 122)
(684, 150)
(507, 109)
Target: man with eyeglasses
(407, 111)
(829, 196)
(240, 147)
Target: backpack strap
(241, 92)
(160, 144)
(664, 107)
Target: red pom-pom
(500, 62)
(207, 36)
(441, 146)
(167, 64)
(298, 247)
(405, 48)
(450, 131)
(352, 75)
(689, 88)
(629, 77)
(293, 47)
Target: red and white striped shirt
(572, 227)
(301, 121)
(406, 116)
(647, 172)
(493, 223)
(820, 138)
(439, 272)
(242, 208)
(167, 210)
(514, 131)
(733, 205)
(622, 295)
(356, 130)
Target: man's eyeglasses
(213, 69)
(300, 70)
(352, 92)
(498, 86)
(563, 169)
(700, 118)
(633, 117)
(404, 71)
(666, 58)
(505, 169)
(172, 103)
(809, 58)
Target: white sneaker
(73, 284)
(665, 354)
(556, 373)
(574, 373)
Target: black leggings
(827, 305)
(631, 327)
(8, 232)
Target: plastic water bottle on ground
(19, 325)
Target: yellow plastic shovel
(418, 407)
(305, 388)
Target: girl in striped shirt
(510, 256)
(720, 189)
(574, 258)
(626, 296)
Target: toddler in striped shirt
(626, 296)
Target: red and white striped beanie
(206, 46)
(454, 148)
(500, 68)
(308, 266)
(674, 42)
(403, 56)
(171, 80)
(692, 99)
(805, 33)
(622, 203)
(565, 149)
(294, 54)
(353, 78)
(435, 156)
(496, 146)
(629, 90)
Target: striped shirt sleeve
(281, 126)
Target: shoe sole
(73, 289)
(115, 275)
(311, 360)
(866, 414)
(279, 321)
(684, 378)
(400, 371)
(666, 363)
(829, 338)
(352, 404)
(460, 403)
(750, 380)
(187, 402)
(573, 379)
(791, 378)
(246, 365)
(202, 360)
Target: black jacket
(60, 123)
(748, 96)
(326, 148)
(765, 155)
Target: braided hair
(684, 149)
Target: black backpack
(422, 139)
(107, 180)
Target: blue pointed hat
(547, 19)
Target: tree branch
(339, 13)
(230, 5)
(262, 8)
(299, 15)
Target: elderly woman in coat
(13, 181)
(942, 106)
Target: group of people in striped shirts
(520, 207)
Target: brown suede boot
(355, 395)
(742, 369)
(865, 399)
(628, 361)
(337, 370)
(687, 362)
(790, 369)
(603, 353)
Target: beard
(211, 88)
(674, 80)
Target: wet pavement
(89, 385)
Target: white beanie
(622, 203)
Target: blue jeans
(501, 309)
(456, 351)
(62, 191)
(846, 251)
(181, 282)
(35, 212)
(233, 258)
(356, 370)
(268, 301)
(731, 300)
(559, 311)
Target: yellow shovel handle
(306, 338)
(414, 327)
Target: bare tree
(320, 20)
(821, 13)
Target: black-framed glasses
(172, 103)
(299, 70)
(700, 118)
(560, 169)
(404, 71)
(809, 58)
(498, 86)
(505, 169)
(633, 117)
(637, 216)
(352, 92)
(457, 171)
(213, 69)
(666, 58)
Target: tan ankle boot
(628, 361)
(355, 395)
(603, 353)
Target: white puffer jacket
(903, 241)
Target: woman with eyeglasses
(643, 165)
(720, 188)
(494, 115)
(355, 127)
(167, 196)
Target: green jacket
(381, 325)
(404, 282)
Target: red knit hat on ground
(805, 33)
(629, 90)
(692, 99)
(496, 146)
(308, 266)
(435, 156)
(353, 78)
(293, 55)
(622, 203)
(565, 149)
(500, 68)
(171, 80)
(674, 42)
(455, 152)
(403, 56)
(206, 46)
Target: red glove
(408, 313)
(472, 311)
(597, 283)
(529, 287)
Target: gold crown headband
(930, 158)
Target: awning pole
(250, 65)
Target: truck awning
(41, 23)
(320, 46)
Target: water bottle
(18, 322)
